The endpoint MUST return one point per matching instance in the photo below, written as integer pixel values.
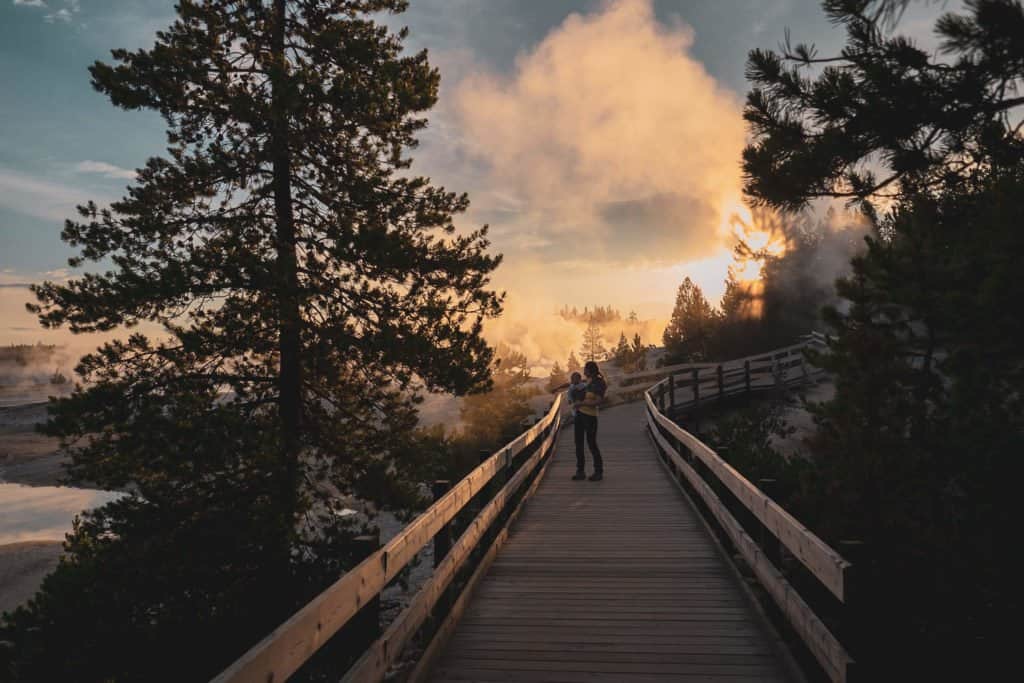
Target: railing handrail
(290, 645)
(813, 339)
(822, 561)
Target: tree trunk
(290, 380)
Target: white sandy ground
(22, 568)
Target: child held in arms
(576, 392)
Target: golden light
(748, 238)
(757, 236)
(746, 270)
(760, 232)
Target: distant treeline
(599, 315)
(27, 354)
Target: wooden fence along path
(618, 580)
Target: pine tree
(638, 354)
(573, 364)
(633, 320)
(817, 137)
(304, 281)
(691, 326)
(556, 378)
(621, 352)
(593, 343)
(914, 453)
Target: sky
(600, 140)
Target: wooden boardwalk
(611, 581)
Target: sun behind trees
(305, 283)
(779, 296)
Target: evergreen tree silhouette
(304, 282)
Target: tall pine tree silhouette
(303, 282)
(691, 326)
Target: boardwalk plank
(610, 581)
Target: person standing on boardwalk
(585, 423)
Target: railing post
(365, 624)
(721, 383)
(746, 374)
(443, 539)
(661, 399)
(769, 543)
(855, 620)
(671, 392)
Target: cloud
(57, 275)
(39, 198)
(64, 15)
(29, 3)
(613, 142)
(105, 169)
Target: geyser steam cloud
(613, 142)
(615, 156)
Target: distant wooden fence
(705, 471)
(284, 651)
(767, 370)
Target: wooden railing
(284, 651)
(761, 369)
(729, 497)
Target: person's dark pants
(586, 426)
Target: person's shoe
(579, 476)
(597, 476)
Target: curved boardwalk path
(611, 581)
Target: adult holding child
(585, 423)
